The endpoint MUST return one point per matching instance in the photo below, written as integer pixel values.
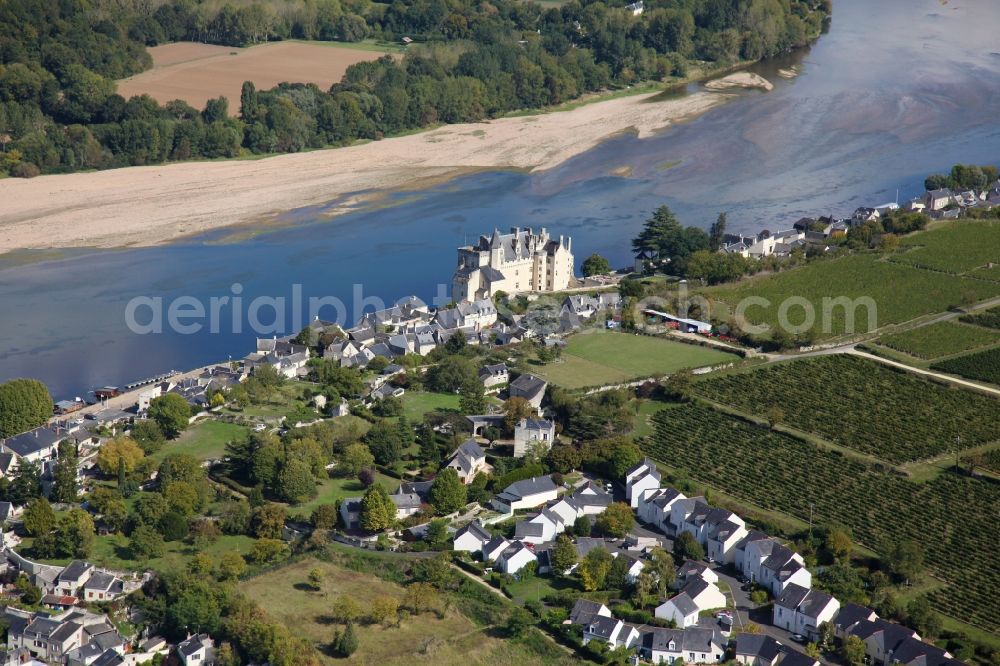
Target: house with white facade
(642, 478)
(197, 650)
(694, 645)
(468, 460)
(654, 508)
(493, 548)
(515, 557)
(696, 596)
(516, 262)
(801, 610)
(494, 375)
(471, 538)
(546, 526)
(529, 431)
(584, 611)
(612, 631)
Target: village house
(471, 538)
(529, 387)
(802, 611)
(766, 561)
(529, 431)
(610, 630)
(795, 658)
(848, 617)
(494, 375)
(696, 596)
(882, 638)
(693, 645)
(512, 263)
(73, 578)
(526, 494)
(935, 200)
(692, 570)
(494, 547)
(468, 460)
(102, 586)
(350, 513)
(757, 650)
(654, 507)
(642, 478)
(197, 650)
(542, 528)
(515, 557)
(407, 504)
(584, 611)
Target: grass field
(913, 293)
(424, 639)
(956, 247)
(418, 403)
(333, 489)
(204, 440)
(950, 516)
(592, 358)
(862, 405)
(942, 339)
(984, 366)
(196, 73)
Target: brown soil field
(196, 73)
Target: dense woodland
(471, 60)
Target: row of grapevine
(863, 405)
(953, 517)
(983, 366)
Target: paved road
(746, 611)
(928, 373)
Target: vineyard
(984, 366)
(863, 405)
(988, 318)
(955, 248)
(942, 339)
(914, 293)
(952, 517)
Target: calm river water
(895, 90)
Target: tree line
(59, 111)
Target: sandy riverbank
(140, 206)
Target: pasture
(949, 516)
(900, 292)
(983, 366)
(941, 339)
(862, 405)
(196, 73)
(595, 357)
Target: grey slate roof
(602, 626)
(796, 658)
(528, 487)
(406, 501)
(476, 530)
(584, 611)
(526, 528)
(684, 603)
(808, 602)
(850, 614)
(527, 385)
(757, 645)
(100, 581)
(74, 571)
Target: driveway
(746, 611)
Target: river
(895, 90)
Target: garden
(862, 405)
(951, 517)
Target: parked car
(798, 638)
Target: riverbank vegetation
(59, 110)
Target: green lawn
(955, 247)
(596, 357)
(418, 403)
(204, 440)
(942, 339)
(378, 46)
(333, 489)
(899, 291)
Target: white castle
(516, 262)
